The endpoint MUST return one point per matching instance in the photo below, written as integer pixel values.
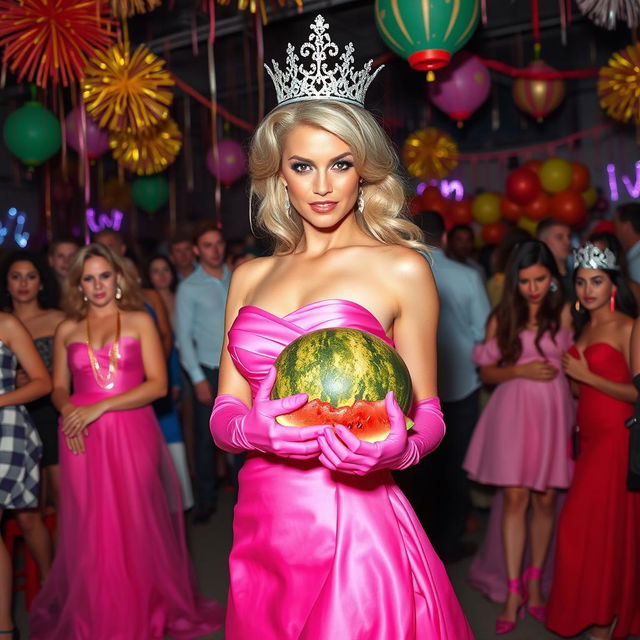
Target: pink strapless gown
(328, 555)
(122, 571)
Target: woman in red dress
(596, 583)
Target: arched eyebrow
(307, 161)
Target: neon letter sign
(447, 188)
(633, 189)
(104, 221)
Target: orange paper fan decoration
(52, 39)
(619, 85)
(128, 8)
(151, 151)
(126, 91)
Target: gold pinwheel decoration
(126, 91)
(149, 152)
(128, 8)
(430, 154)
(619, 85)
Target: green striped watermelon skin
(340, 366)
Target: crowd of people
(134, 387)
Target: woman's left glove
(342, 451)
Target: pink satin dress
(324, 555)
(121, 571)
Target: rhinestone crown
(297, 83)
(590, 257)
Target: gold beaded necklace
(106, 381)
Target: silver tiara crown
(342, 82)
(590, 257)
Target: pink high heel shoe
(506, 626)
(538, 612)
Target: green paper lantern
(150, 192)
(32, 133)
(426, 32)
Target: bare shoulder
(398, 261)
(9, 323)
(625, 324)
(136, 321)
(566, 319)
(247, 275)
(66, 329)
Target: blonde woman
(325, 544)
(121, 569)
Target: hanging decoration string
(214, 116)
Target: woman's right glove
(236, 428)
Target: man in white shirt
(627, 221)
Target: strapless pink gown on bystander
(121, 571)
(323, 555)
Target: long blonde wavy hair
(74, 305)
(384, 216)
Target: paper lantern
(232, 161)
(462, 87)
(32, 133)
(96, 139)
(430, 154)
(538, 98)
(427, 34)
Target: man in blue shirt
(464, 309)
(200, 305)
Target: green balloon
(427, 33)
(32, 133)
(150, 192)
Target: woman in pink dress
(521, 440)
(325, 545)
(121, 571)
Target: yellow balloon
(555, 175)
(486, 208)
(528, 225)
(590, 196)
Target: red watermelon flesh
(368, 421)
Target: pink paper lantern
(462, 87)
(97, 138)
(232, 161)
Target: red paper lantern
(460, 211)
(538, 98)
(539, 208)
(493, 233)
(568, 207)
(580, 177)
(523, 185)
(510, 210)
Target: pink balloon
(232, 161)
(97, 138)
(461, 87)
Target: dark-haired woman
(31, 294)
(596, 583)
(520, 441)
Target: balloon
(568, 207)
(590, 197)
(232, 161)
(510, 210)
(528, 225)
(431, 194)
(461, 211)
(462, 87)
(493, 233)
(440, 206)
(523, 185)
(534, 165)
(540, 208)
(32, 133)
(415, 205)
(486, 208)
(150, 192)
(97, 139)
(580, 177)
(555, 175)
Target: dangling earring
(85, 299)
(553, 287)
(577, 306)
(612, 300)
(287, 202)
(118, 292)
(360, 204)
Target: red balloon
(494, 232)
(415, 205)
(510, 210)
(534, 165)
(580, 177)
(440, 206)
(431, 194)
(540, 208)
(460, 211)
(568, 207)
(523, 185)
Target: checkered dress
(20, 448)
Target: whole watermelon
(346, 374)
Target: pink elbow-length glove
(399, 450)
(237, 428)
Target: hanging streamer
(214, 115)
(260, 67)
(47, 202)
(83, 167)
(535, 21)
